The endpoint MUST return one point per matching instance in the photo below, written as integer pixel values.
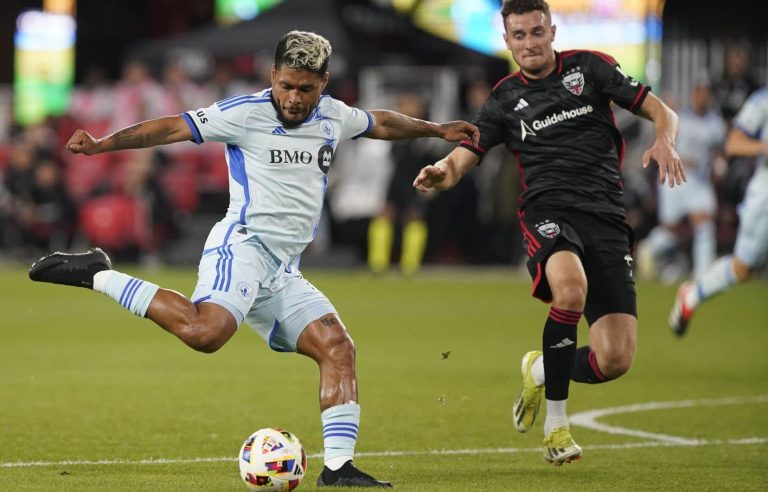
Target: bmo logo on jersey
(282, 156)
(324, 158)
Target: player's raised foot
(559, 447)
(681, 313)
(70, 269)
(348, 476)
(527, 404)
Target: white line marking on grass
(436, 452)
(589, 418)
(585, 419)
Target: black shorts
(604, 247)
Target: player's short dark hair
(523, 7)
(301, 50)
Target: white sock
(340, 426)
(537, 370)
(661, 241)
(132, 293)
(704, 247)
(715, 279)
(556, 416)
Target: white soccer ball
(272, 459)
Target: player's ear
(324, 80)
(554, 29)
(273, 74)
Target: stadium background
(139, 59)
(92, 398)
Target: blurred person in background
(137, 95)
(699, 144)
(280, 146)
(736, 83)
(405, 208)
(747, 138)
(555, 116)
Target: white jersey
(277, 176)
(698, 139)
(752, 240)
(752, 119)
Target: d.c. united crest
(574, 82)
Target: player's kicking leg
(205, 327)
(327, 342)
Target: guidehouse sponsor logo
(553, 119)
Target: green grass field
(93, 398)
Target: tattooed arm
(148, 133)
(389, 125)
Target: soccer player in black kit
(555, 116)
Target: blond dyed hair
(302, 50)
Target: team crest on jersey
(245, 290)
(326, 129)
(548, 228)
(324, 158)
(574, 82)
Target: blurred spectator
(737, 83)
(357, 190)
(137, 96)
(699, 144)
(92, 101)
(405, 207)
(47, 218)
(496, 206)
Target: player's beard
(286, 122)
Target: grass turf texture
(81, 379)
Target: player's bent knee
(571, 297)
(616, 365)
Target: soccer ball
(272, 459)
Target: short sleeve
(355, 122)
(489, 122)
(614, 83)
(220, 122)
(751, 118)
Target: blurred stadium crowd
(155, 205)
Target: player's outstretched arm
(160, 131)
(663, 153)
(390, 125)
(445, 173)
(739, 144)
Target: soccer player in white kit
(748, 138)
(280, 146)
(699, 142)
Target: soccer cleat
(348, 476)
(681, 313)
(527, 404)
(70, 269)
(560, 448)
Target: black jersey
(562, 132)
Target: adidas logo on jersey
(522, 103)
(563, 343)
(279, 130)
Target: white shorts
(752, 239)
(696, 195)
(251, 283)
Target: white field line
(589, 418)
(584, 419)
(436, 452)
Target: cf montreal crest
(548, 229)
(574, 82)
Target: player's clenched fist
(81, 142)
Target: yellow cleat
(527, 404)
(560, 448)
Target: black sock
(585, 368)
(559, 342)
